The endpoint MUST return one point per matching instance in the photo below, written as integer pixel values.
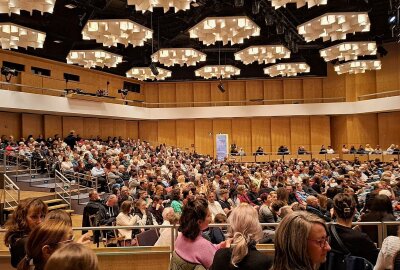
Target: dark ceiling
(171, 30)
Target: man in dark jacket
(314, 208)
(71, 140)
(107, 215)
(91, 209)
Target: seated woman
(46, 238)
(358, 243)
(190, 246)
(25, 218)
(301, 242)
(389, 253)
(143, 216)
(77, 255)
(170, 218)
(125, 218)
(246, 231)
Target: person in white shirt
(125, 218)
(214, 206)
(330, 150)
(170, 218)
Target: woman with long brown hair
(26, 217)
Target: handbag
(344, 260)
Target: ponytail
(240, 248)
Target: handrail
(84, 177)
(7, 183)
(366, 96)
(65, 182)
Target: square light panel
(178, 56)
(93, 58)
(287, 69)
(264, 54)
(13, 36)
(299, 3)
(217, 71)
(15, 6)
(348, 51)
(358, 66)
(145, 5)
(145, 73)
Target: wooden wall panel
(185, 130)
(237, 92)
(31, 80)
(339, 131)
(54, 84)
(166, 93)
(53, 125)
(148, 131)
(388, 78)
(151, 94)
(10, 124)
(203, 136)
(120, 128)
(273, 90)
(184, 94)
(299, 133)
(280, 133)
(219, 98)
(32, 124)
(106, 128)
(334, 86)
(91, 128)
(293, 90)
(241, 134)
(320, 132)
(167, 132)
(202, 93)
(132, 129)
(363, 129)
(389, 129)
(365, 83)
(72, 123)
(261, 133)
(312, 90)
(254, 91)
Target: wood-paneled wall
(199, 134)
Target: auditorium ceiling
(64, 27)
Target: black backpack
(343, 260)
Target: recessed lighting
(57, 41)
(70, 6)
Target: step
(9, 209)
(58, 206)
(33, 180)
(80, 196)
(69, 211)
(52, 201)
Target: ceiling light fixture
(112, 32)
(299, 3)
(348, 51)
(225, 29)
(145, 73)
(217, 71)
(93, 58)
(15, 6)
(145, 5)
(287, 69)
(358, 66)
(263, 54)
(13, 36)
(178, 56)
(334, 26)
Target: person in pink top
(190, 244)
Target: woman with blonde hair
(301, 242)
(46, 238)
(73, 256)
(245, 231)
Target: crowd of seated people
(146, 184)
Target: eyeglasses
(321, 242)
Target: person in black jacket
(245, 231)
(71, 140)
(107, 215)
(91, 208)
(358, 243)
(314, 208)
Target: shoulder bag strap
(336, 236)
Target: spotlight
(8, 73)
(382, 51)
(123, 92)
(392, 19)
(221, 87)
(154, 69)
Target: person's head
(283, 194)
(26, 217)
(382, 203)
(195, 217)
(73, 256)
(223, 194)
(112, 200)
(344, 206)
(245, 230)
(94, 195)
(46, 238)
(59, 215)
(126, 207)
(170, 215)
(301, 242)
(211, 197)
(312, 201)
